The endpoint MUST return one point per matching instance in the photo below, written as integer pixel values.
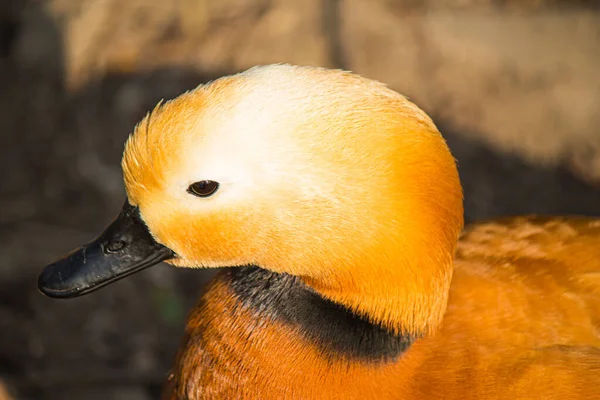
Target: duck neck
(407, 301)
(333, 328)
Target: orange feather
(522, 323)
(348, 186)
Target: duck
(333, 208)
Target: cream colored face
(229, 227)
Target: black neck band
(336, 330)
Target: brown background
(513, 85)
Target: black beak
(125, 247)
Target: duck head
(317, 173)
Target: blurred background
(514, 85)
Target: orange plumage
(346, 197)
(522, 323)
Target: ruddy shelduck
(337, 207)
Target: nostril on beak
(115, 246)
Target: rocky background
(513, 85)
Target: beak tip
(50, 284)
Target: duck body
(337, 206)
(521, 323)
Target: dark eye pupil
(203, 188)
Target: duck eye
(203, 188)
